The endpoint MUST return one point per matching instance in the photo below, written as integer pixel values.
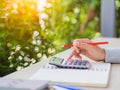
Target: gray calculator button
(75, 62)
(79, 62)
(64, 62)
(71, 62)
(84, 63)
(61, 60)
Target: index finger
(71, 55)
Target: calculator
(72, 64)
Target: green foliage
(117, 21)
(27, 34)
(65, 24)
(21, 40)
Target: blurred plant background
(117, 21)
(32, 29)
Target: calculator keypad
(74, 63)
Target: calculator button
(79, 62)
(68, 63)
(84, 63)
(71, 62)
(60, 60)
(75, 62)
(64, 62)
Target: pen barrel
(92, 43)
(68, 45)
(68, 87)
(97, 43)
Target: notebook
(96, 76)
(23, 84)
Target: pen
(67, 87)
(92, 43)
(59, 88)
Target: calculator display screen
(56, 60)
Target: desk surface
(114, 82)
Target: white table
(114, 82)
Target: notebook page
(97, 75)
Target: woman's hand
(81, 46)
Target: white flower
(76, 10)
(9, 44)
(19, 68)
(38, 42)
(36, 49)
(10, 57)
(35, 33)
(18, 47)
(22, 53)
(20, 57)
(33, 60)
(43, 16)
(11, 53)
(26, 58)
(39, 55)
(34, 42)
